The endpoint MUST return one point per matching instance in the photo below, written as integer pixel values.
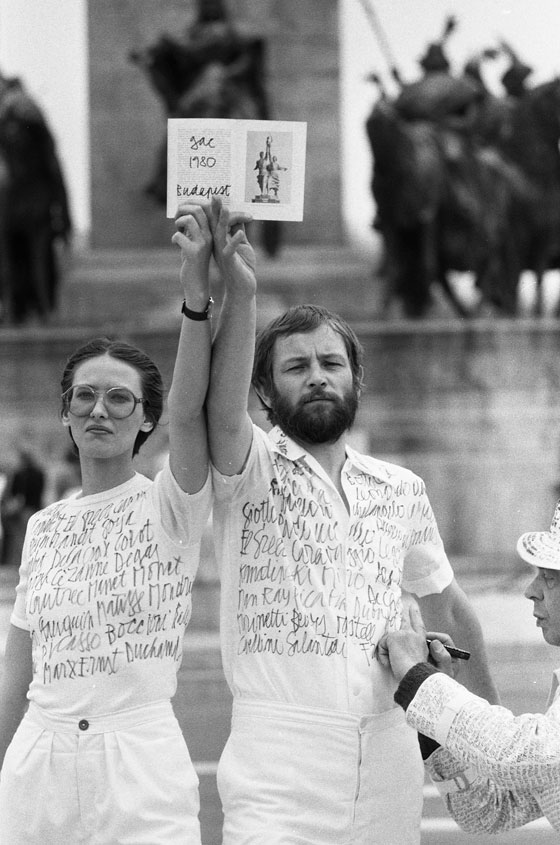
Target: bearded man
(315, 544)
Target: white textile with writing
(105, 591)
(308, 588)
(497, 771)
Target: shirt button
(83, 724)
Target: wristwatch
(198, 315)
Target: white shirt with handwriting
(105, 591)
(308, 587)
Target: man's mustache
(315, 395)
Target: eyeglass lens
(120, 402)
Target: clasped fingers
(192, 222)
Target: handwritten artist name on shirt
(99, 596)
(309, 585)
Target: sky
(45, 42)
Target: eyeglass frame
(96, 395)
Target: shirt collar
(291, 450)
(285, 446)
(380, 470)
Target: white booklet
(255, 166)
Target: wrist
(200, 312)
(194, 280)
(241, 290)
(196, 300)
(410, 683)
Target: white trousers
(122, 779)
(298, 776)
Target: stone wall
(475, 410)
(128, 121)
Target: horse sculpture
(531, 144)
(442, 204)
(481, 197)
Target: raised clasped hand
(233, 253)
(194, 237)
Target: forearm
(452, 612)
(188, 446)
(229, 425)
(516, 752)
(232, 355)
(476, 671)
(476, 801)
(477, 804)
(189, 385)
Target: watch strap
(197, 315)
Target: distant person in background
(495, 771)
(23, 496)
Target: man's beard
(308, 422)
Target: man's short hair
(299, 320)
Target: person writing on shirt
(315, 543)
(496, 771)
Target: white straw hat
(542, 548)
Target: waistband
(279, 711)
(103, 723)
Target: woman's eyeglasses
(80, 400)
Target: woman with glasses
(104, 597)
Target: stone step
(141, 286)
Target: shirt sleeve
(517, 753)
(477, 803)
(184, 516)
(426, 567)
(471, 772)
(226, 486)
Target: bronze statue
(211, 70)
(34, 211)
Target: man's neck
(331, 456)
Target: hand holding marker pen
(459, 653)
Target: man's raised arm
(229, 424)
